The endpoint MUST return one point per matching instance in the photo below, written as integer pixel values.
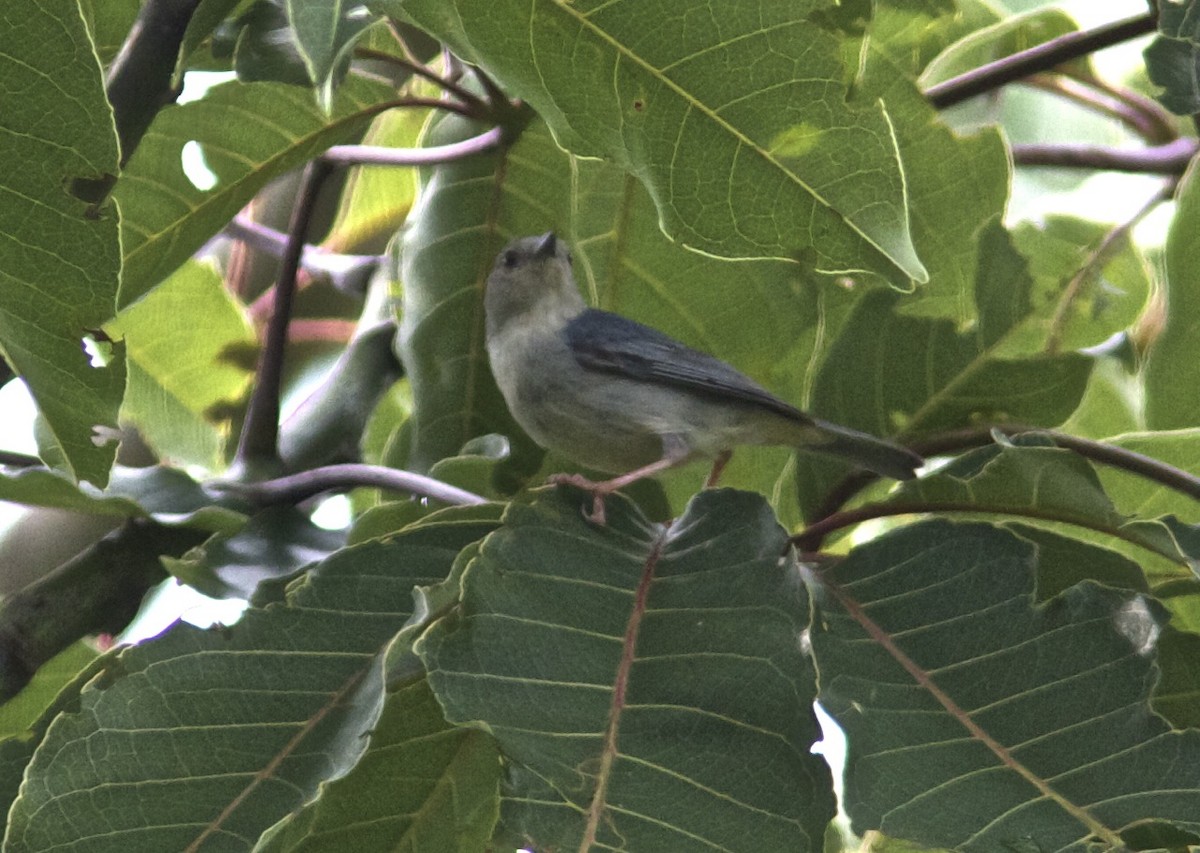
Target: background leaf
(789, 151)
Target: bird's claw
(597, 515)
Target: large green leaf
(176, 340)
(979, 721)
(207, 738)
(60, 257)
(1172, 372)
(382, 804)
(644, 683)
(738, 122)
(248, 134)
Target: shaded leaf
(1043, 485)
(645, 683)
(274, 543)
(287, 694)
(60, 254)
(978, 721)
(1173, 58)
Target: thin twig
(1160, 126)
(375, 155)
(298, 487)
(1096, 260)
(1038, 58)
(1170, 159)
(13, 459)
(259, 439)
(1104, 101)
(467, 97)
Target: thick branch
(1169, 159)
(139, 80)
(1041, 57)
(98, 591)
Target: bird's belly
(588, 431)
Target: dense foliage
(935, 221)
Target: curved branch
(1040, 57)
(1169, 159)
(374, 155)
(297, 487)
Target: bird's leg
(718, 466)
(675, 451)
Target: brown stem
(258, 445)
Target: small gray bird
(620, 397)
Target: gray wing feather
(614, 344)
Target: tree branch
(1038, 58)
(258, 444)
(99, 591)
(1169, 159)
(373, 155)
(297, 487)
(139, 80)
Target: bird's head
(532, 278)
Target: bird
(617, 396)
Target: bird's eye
(511, 259)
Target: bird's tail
(867, 451)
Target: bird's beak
(546, 245)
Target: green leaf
(210, 737)
(60, 254)
(1173, 58)
(957, 184)
(772, 162)
(175, 339)
(248, 134)
(108, 22)
(325, 35)
(1043, 485)
(1090, 298)
(383, 804)
(274, 543)
(1137, 495)
(1172, 372)
(1003, 38)
(891, 373)
(977, 720)
(167, 495)
(644, 683)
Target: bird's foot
(598, 491)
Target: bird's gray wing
(614, 344)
